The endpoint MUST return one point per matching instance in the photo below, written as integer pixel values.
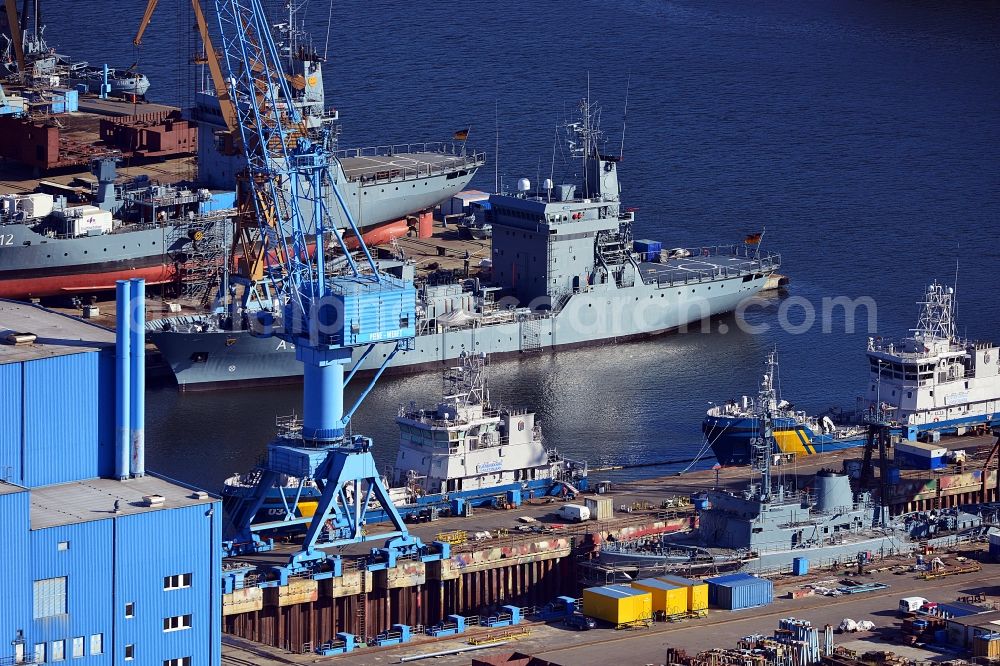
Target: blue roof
(681, 580)
(732, 580)
(616, 591)
(658, 584)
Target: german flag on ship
(753, 239)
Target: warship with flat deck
(566, 272)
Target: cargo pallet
(500, 637)
(953, 571)
(641, 623)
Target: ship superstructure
(934, 378)
(464, 449)
(467, 443)
(931, 380)
(565, 272)
(133, 229)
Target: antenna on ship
(628, 84)
(954, 293)
(496, 149)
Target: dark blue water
(863, 135)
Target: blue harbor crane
(325, 314)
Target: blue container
(893, 476)
(649, 250)
(800, 566)
(72, 97)
(82, 88)
(739, 591)
(699, 501)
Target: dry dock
(525, 565)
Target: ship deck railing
(454, 157)
(666, 274)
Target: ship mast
(762, 446)
(937, 315)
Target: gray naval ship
(565, 273)
(770, 523)
(379, 184)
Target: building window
(77, 647)
(62, 545)
(49, 597)
(39, 653)
(58, 650)
(177, 582)
(177, 623)
(96, 644)
(130, 609)
(180, 661)
(129, 652)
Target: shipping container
(986, 645)
(667, 598)
(739, 591)
(617, 604)
(648, 250)
(800, 566)
(914, 461)
(923, 449)
(601, 508)
(697, 591)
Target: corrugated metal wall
(156, 544)
(15, 607)
(86, 564)
(10, 417)
(68, 418)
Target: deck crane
(326, 317)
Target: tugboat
(932, 380)
(565, 261)
(463, 452)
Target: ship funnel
(123, 383)
(137, 366)
(833, 492)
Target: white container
(86, 220)
(37, 204)
(574, 513)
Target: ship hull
(34, 265)
(214, 359)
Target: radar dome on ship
(523, 185)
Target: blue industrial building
(103, 563)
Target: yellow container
(697, 591)
(617, 604)
(667, 597)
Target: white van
(911, 604)
(574, 513)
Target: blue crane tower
(324, 316)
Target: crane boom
(325, 317)
(211, 57)
(15, 36)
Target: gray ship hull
(36, 265)
(213, 358)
